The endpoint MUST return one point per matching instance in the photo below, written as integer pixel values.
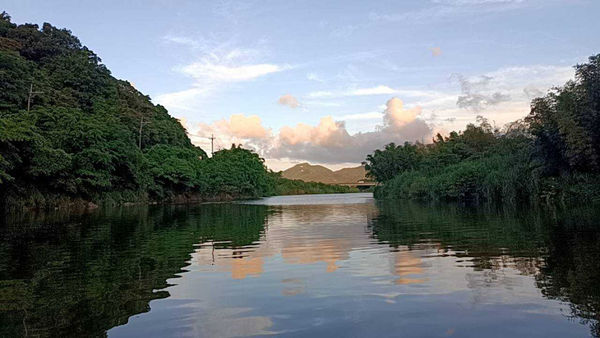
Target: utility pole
(212, 147)
(141, 127)
(212, 139)
(31, 93)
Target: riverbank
(281, 187)
(551, 156)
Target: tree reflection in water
(80, 275)
(560, 248)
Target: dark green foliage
(477, 164)
(566, 123)
(90, 136)
(384, 165)
(552, 156)
(174, 169)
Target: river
(315, 265)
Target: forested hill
(87, 135)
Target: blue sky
(329, 81)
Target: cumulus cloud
(327, 142)
(327, 133)
(396, 116)
(243, 127)
(330, 142)
(289, 100)
(237, 129)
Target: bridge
(361, 185)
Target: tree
(384, 165)
(566, 123)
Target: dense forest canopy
(67, 127)
(69, 130)
(553, 154)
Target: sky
(328, 82)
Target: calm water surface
(320, 265)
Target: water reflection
(299, 235)
(65, 275)
(347, 268)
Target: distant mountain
(317, 173)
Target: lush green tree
(238, 172)
(85, 135)
(384, 164)
(175, 169)
(566, 123)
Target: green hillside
(70, 131)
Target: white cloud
(184, 100)
(218, 66)
(208, 71)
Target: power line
(212, 139)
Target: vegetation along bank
(72, 133)
(553, 155)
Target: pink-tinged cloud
(330, 142)
(243, 127)
(396, 116)
(327, 142)
(436, 51)
(327, 133)
(289, 100)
